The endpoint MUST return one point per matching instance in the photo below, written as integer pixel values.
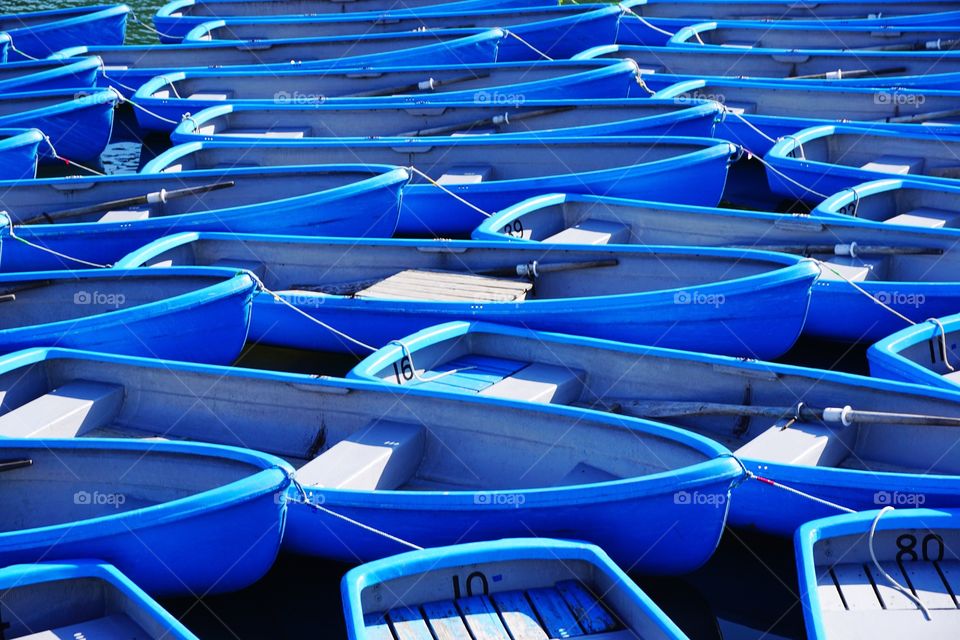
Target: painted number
(514, 229)
(403, 370)
(473, 580)
(849, 209)
(907, 547)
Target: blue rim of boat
(56, 68)
(718, 464)
(14, 138)
(791, 267)
(846, 525)
(831, 207)
(269, 474)
(73, 99)
(232, 283)
(86, 14)
(886, 352)
(503, 550)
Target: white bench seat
(112, 627)
(855, 269)
(69, 411)
(212, 94)
(898, 165)
(952, 376)
(383, 455)
(801, 444)
(467, 174)
(929, 217)
(125, 215)
(538, 383)
(592, 231)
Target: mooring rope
(876, 563)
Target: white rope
(752, 126)
(530, 46)
(405, 350)
(647, 23)
(643, 85)
(123, 98)
(103, 72)
(23, 53)
(448, 191)
(145, 25)
(896, 585)
(798, 492)
(865, 292)
(943, 343)
(276, 296)
(769, 166)
(304, 499)
(56, 155)
(63, 256)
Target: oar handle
(534, 268)
(424, 85)
(852, 73)
(851, 249)
(10, 465)
(503, 118)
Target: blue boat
(44, 75)
(759, 113)
(37, 34)
(914, 271)
(880, 574)
(173, 95)
(788, 35)
(94, 600)
(715, 300)
(155, 510)
(176, 18)
(660, 20)
(515, 588)
(828, 159)
(924, 353)
(666, 65)
(183, 314)
(491, 175)
(536, 118)
(99, 219)
(844, 439)
(381, 458)
(556, 32)
(126, 68)
(18, 153)
(77, 121)
(894, 201)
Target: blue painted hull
(129, 67)
(177, 18)
(177, 547)
(537, 35)
(515, 563)
(41, 33)
(617, 80)
(92, 590)
(78, 124)
(18, 153)
(364, 202)
(925, 343)
(208, 323)
(428, 210)
(45, 75)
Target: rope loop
(876, 563)
(944, 352)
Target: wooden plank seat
(929, 217)
(593, 231)
(384, 455)
(539, 382)
(70, 410)
(445, 286)
(112, 627)
(565, 610)
(898, 165)
(861, 587)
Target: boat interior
(877, 39)
(929, 208)
(940, 353)
(338, 438)
(890, 154)
(856, 600)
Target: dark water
(747, 590)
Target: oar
(852, 73)
(932, 45)
(424, 85)
(10, 465)
(504, 118)
(530, 269)
(802, 412)
(148, 198)
(924, 117)
(10, 294)
(844, 249)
